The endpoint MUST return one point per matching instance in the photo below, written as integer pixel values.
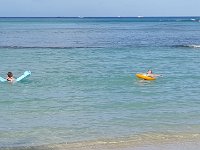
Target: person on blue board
(150, 74)
(10, 77)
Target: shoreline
(143, 142)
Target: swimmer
(150, 74)
(10, 77)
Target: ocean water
(83, 85)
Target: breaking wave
(189, 46)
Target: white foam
(194, 46)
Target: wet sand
(144, 142)
(192, 145)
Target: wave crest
(189, 46)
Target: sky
(98, 8)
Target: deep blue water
(83, 85)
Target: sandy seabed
(142, 142)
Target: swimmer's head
(10, 75)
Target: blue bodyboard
(26, 74)
(2, 79)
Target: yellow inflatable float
(144, 76)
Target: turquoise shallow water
(83, 85)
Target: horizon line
(94, 16)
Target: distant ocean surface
(83, 85)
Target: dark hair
(10, 74)
(150, 71)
